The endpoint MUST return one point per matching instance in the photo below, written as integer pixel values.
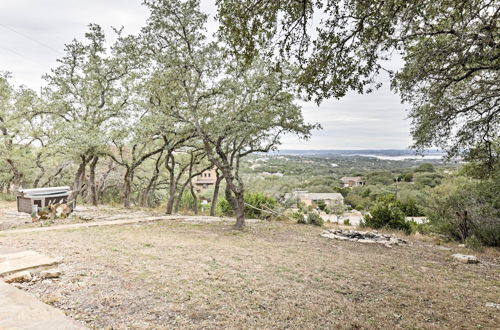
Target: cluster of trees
(451, 61)
(152, 111)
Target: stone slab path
(13, 260)
(20, 310)
(184, 218)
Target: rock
(468, 259)
(494, 305)
(23, 276)
(363, 237)
(51, 273)
(461, 245)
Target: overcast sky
(33, 34)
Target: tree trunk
(127, 187)
(195, 198)
(102, 181)
(42, 170)
(171, 193)
(92, 187)
(215, 196)
(237, 201)
(179, 197)
(172, 182)
(145, 195)
(239, 210)
(17, 180)
(77, 181)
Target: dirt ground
(171, 274)
(11, 219)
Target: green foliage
(410, 208)
(257, 200)
(384, 178)
(321, 205)
(344, 191)
(428, 179)
(461, 208)
(187, 201)
(224, 208)
(347, 222)
(425, 167)
(299, 217)
(472, 242)
(407, 177)
(7, 197)
(314, 218)
(386, 214)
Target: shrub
(257, 200)
(7, 197)
(425, 167)
(321, 205)
(386, 214)
(299, 217)
(224, 207)
(315, 219)
(463, 208)
(347, 222)
(472, 242)
(187, 201)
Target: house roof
(321, 196)
(351, 178)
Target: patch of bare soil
(273, 275)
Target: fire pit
(363, 237)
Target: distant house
(352, 181)
(330, 199)
(205, 179)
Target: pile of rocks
(30, 276)
(363, 237)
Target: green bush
(299, 217)
(7, 197)
(347, 222)
(187, 201)
(314, 218)
(224, 208)
(259, 202)
(425, 167)
(386, 214)
(321, 205)
(463, 208)
(472, 242)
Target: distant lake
(404, 157)
(390, 154)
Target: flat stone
(20, 310)
(23, 260)
(468, 259)
(493, 305)
(19, 277)
(51, 273)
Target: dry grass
(273, 275)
